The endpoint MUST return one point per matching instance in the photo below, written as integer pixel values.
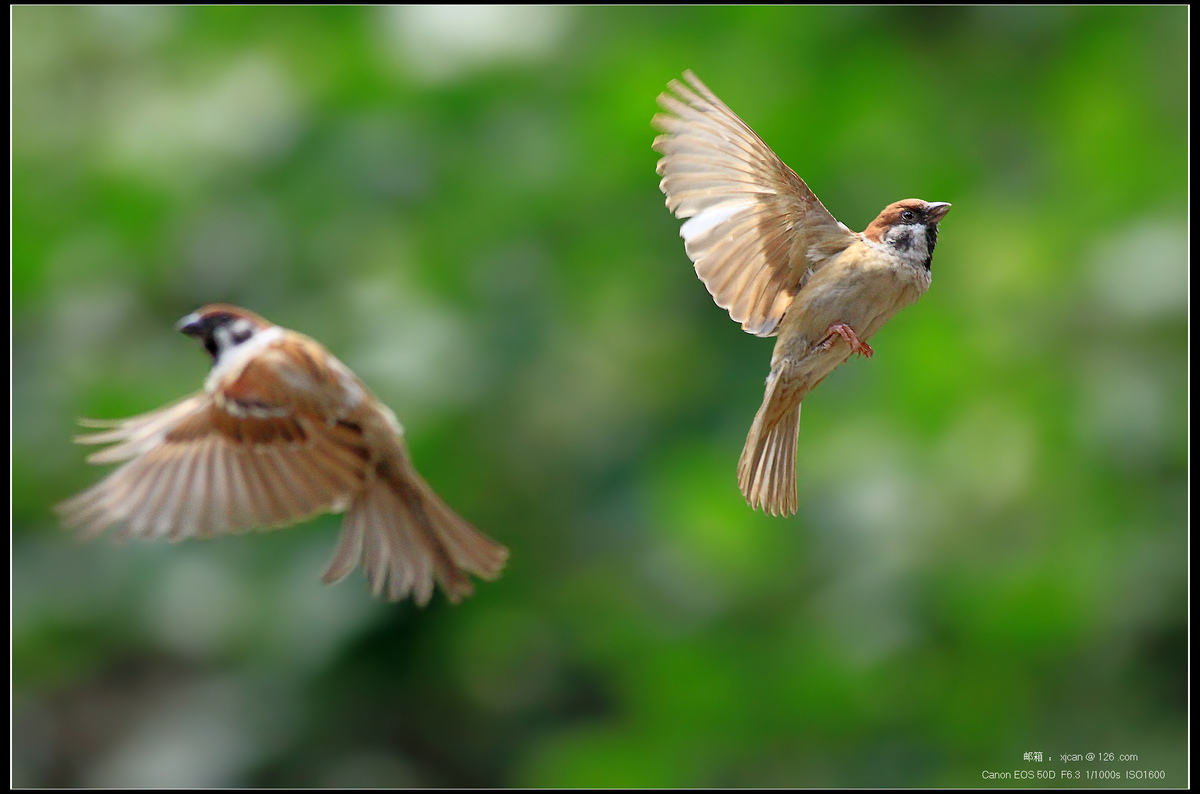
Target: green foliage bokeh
(990, 557)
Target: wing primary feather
(173, 521)
(195, 498)
(220, 494)
(240, 508)
(281, 472)
(258, 500)
(145, 510)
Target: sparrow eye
(908, 215)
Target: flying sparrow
(771, 254)
(281, 432)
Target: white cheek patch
(233, 359)
(232, 335)
(242, 329)
(711, 217)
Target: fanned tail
(767, 467)
(407, 538)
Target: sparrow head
(910, 227)
(221, 327)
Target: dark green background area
(990, 557)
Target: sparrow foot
(847, 333)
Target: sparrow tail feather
(767, 467)
(402, 532)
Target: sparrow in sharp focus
(771, 254)
(281, 432)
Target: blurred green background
(990, 557)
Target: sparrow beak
(937, 210)
(191, 325)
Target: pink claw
(847, 333)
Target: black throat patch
(930, 242)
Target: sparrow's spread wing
(220, 463)
(756, 232)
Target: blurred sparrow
(281, 432)
(771, 254)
